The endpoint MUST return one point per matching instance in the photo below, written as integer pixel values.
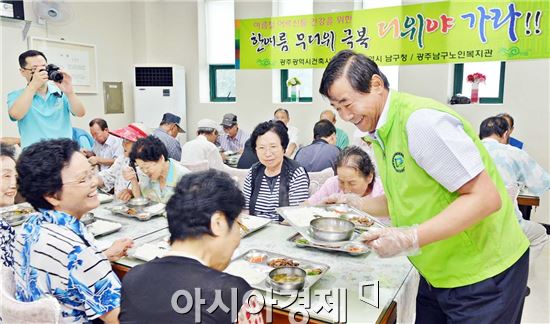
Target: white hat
(207, 124)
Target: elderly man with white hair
(202, 147)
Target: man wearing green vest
(449, 208)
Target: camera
(53, 73)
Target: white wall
(104, 24)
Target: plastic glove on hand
(392, 241)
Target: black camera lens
(53, 73)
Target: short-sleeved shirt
(111, 149)
(7, 235)
(317, 156)
(342, 139)
(55, 255)
(518, 168)
(172, 144)
(234, 144)
(201, 149)
(148, 289)
(48, 117)
(112, 177)
(268, 195)
(151, 189)
(292, 135)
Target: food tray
(104, 198)
(299, 217)
(102, 227)
(17, 214)
(252, 224)
(142, 213)
(254, 267)
(300, 241)
(148, 251)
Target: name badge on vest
(398, 162)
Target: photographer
(42, 109)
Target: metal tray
(252, 223)
(17, 214)
(300, 241)
(150, 250)
(301, 222)
(115, 227)
(140, 213)
(262, 268)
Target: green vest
(480, 252)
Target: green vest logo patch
(398, 162)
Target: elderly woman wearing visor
(112, 177)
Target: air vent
(154, 77)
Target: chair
(44, 310)
(317, 179)
(196, 166)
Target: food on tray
(313, 271)
(282, 262)
(284, 278)
(354, 249)
(360, 221)
(131, 211)
(245, 270)
(259, 258)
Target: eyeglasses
(88, 179)
(271, 149)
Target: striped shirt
(54, 254)
(233, 144)
(268, 196)
(111, 149)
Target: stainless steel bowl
(280, 285)
(87, 218)
(137, 202)
(331, 229)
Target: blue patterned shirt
(54, 254)
(517, 168)
(6, 243)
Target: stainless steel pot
(331, 229)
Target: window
(492, 90)
(306, 78)
(222, 83)
(220, 49)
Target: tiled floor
(537, 304)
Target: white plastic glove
(392, 241)
(353, 200)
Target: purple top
(331, 187)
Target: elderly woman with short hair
(8, 190)
(54, 253)
(275, 181)
(160, 173)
